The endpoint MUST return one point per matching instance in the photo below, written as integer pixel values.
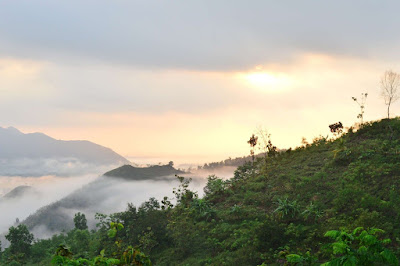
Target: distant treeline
(238, 161)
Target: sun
(262, 79)
(266, 81)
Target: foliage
(127, 256)
(80, 221)
(360, 247)
(287, 208)
(20, 243)
(336, 128)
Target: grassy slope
(349, 182)
(284, 205)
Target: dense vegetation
(319, 203)
(238, 161)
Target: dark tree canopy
(80, 221)
(20, 240)
(336, 128)
(253, 142)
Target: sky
(192, 80)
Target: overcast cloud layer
(217, 35)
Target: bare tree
(266, 146)
(390, 83)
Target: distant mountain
(18, 192)
(129, 172)
(36, 154)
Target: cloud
(58, 166)
(93, 88)
(206, 35)
(46, 190)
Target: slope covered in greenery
(282, 204)
(130, 172)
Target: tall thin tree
(390, 88)
(361, 103)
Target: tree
(336, 128)
(361, 103)
(80, 221)
(390, 83)
(80, 243)
(253, 142)
(20, 241)
(267, 147)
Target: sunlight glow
(262, 79)
(266, 81)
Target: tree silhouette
(253, 142)
(336, 128)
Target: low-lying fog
(88, 194)
(65, 166)
(45, 190)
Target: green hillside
(282, 204)
(130, 172)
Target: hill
(38, 154)
(282, 204)
(18, 192)
(103, 195)
(129, 172)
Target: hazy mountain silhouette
(18, 192)
(38, 154)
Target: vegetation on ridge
(130, 172)
(275, 211)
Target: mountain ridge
(25, 154)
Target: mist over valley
(47, 204)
